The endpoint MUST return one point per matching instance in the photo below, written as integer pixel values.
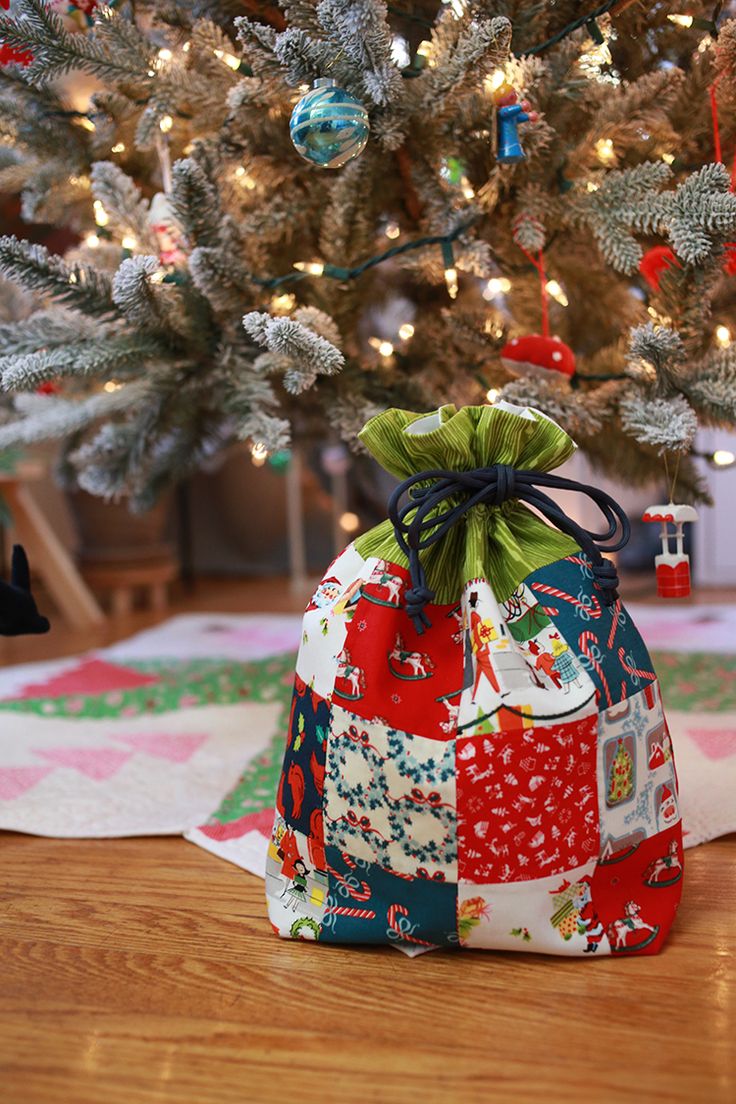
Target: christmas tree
(620, 775)
(530, 168)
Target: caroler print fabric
(504, 779)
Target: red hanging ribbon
(539, 265)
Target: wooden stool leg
(158, 597)
(50, 559)
(121, 601)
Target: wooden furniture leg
(50, 559)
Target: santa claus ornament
(672, 567)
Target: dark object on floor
(18, 613)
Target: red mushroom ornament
(536, 355)
(673, 568)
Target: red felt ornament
(672, 567)
(538, 354)
(656, 261)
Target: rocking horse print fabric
(503, 779)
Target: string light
(681, 20)
(72, 278)
(494, 81)
(187, 47)
(245, 178)
(229, 59)
(87, 123)
(165, 124)
(605, 151)
(165, 54)
(129, 242)
(492, 394)
(591, 186)
(451, 282)
(312, 268)
(385, 348)
(111, 386)
(158, 276)
(349, 522)
(425, 50)
(259, 454)
(101, 216)
(91, 240)
(283, 304)
(497, 285)
(466, 188)
(406, 332)
(668, 158)
(557, 292)
(392, 231)
(723, 336)
(119, 147)
(723, 458)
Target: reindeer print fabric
(503, 780)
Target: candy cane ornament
(586, 640)
(394, 923)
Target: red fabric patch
(636, 897)
(388, 671)
(527, 803)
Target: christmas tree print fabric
(504, 780)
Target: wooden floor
(144, 971)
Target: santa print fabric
(503, 780)
(421, 803)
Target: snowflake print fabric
(504, 779)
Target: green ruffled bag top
(501, 543)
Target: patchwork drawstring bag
(477, 754)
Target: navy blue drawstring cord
(493, 486)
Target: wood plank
(145, 970)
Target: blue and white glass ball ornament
(328, 126)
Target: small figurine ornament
(673, 568)
(510, 114)
(537, 355)
(329, 126)
(18, 613)
(170, 240)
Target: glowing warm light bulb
(467, 188)
(165, 54)
(129, 242)
(681, 20)
(723, 458)
(556, 291)
(229, 59)
(451, 282)
(187, 47)
(494, 81)
(406, 332)
(497, 285)
(392, 231)
(87, 123)
(259, 454)
(283, 304)
(605, 151)
(158, 276)
(386, 349)
(119, 147)
(425, 50)
(165, 124)
(723, 336)
(492, 394)
(111, 386)
(349, 522)
(101, 216)
(91, 240)
(313, 268)
(668, 158)
(591, 186)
